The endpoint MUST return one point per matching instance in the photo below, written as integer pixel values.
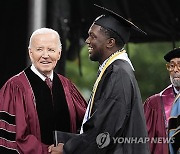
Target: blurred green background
(147, 59)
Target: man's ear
(110, 42)
(30, 52)
(59, 54)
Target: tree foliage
(147, 59)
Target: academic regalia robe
(19, 123)
(174, 127)
(117, 111)
(155, 118)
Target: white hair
(45, 31)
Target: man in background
(37, 101)
(158, 107)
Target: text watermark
(104, 139)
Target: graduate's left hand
(56, 150)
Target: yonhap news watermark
(104, 140)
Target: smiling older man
(30, 108)
(158, 107)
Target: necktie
(49, 83)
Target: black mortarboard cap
(116, 23)
(175, 53)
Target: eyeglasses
(171, 66)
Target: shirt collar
(101, 66)
(42, 76)
(175, 90)
(123, 56)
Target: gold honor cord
(110, 60)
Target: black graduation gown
(117, 112)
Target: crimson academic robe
(155, 118)
(117, 114)
(19, 124)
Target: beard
(175, 82)
(95, 56)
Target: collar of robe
(111, 59)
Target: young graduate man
(115, 109)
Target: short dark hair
(111, 34)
